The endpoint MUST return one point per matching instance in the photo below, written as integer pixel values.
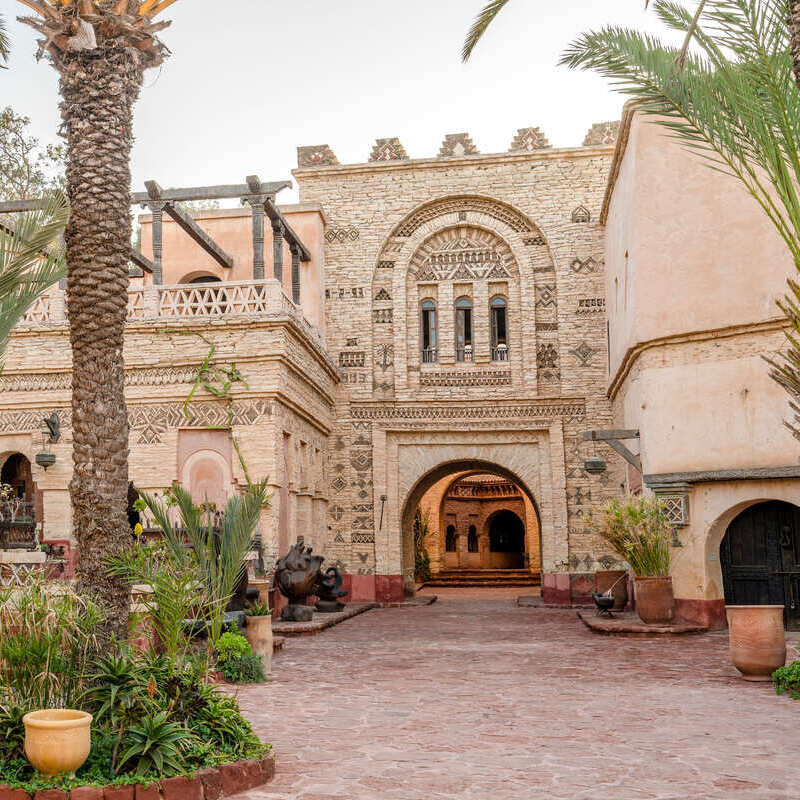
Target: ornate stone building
(443, 317)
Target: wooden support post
(256, 202)
(612, 439)
(157, 210)
(277, 251)
(295, 250)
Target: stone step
(467, 578)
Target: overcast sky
(249, 80)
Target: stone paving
(474, 697)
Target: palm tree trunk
(794, 34)
(99, 88)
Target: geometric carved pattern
(546, 296)
(151, 421)
(547, 356)
(581, 215)
(341, 235)
(30, 420)
(356, 359)
(39, 311)
(212, 301)
(491, 378)
(319, 155)
(529, 139)
(602, 133)
(53, 381)
(676, 508)
(589, 265)
(491, 208)
(388, 150)
(383, 295)
(457, 144)
(544, 409)
(583, 352)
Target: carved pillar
(295, 250)
(277, 252)
(157, 210)
(256, 204)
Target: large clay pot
(618, 579)
(259, 633)
(57, 740)
(757, 640)
(655, 601)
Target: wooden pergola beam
(612, 439)
(276, 218)
(142, 261)
(184, 220)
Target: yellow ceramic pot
(57, 740)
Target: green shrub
(231, 645)
(243, 669)
(155, 744)
(787, 680)
(422, 566)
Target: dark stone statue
(297, 576)
(330, 591)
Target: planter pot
(655, 601)
(262, 584)
(757, 640)
(259, 633)
(57, 740)
(618, 578)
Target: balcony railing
(430, 355)
(263, 298)
(500, 353)
(464, 354)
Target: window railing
(430, 355)
(464, 354)
(500, 353)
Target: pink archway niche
(205, 465)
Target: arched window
(472, 540)
(430, 348)
(464, 329)
(206, 279)
(450, 539)
(498, 309)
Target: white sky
(249, 80)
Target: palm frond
(32, 260)
(480, 26)
(5, 44)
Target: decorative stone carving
(457, 144)
(455, 205)
(388, 150)
(529, 139)
(489, 378)
(342, 235)
(602, 133)
(581, 215)
(319, 155)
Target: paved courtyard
(473, 697)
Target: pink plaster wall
(231, 228)
(688, 252)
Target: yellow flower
(138, 529)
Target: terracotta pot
(618, 578)
(757, 640)
(258, 632)
(655, 601)
(262, 584)
(57, 740)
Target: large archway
(463, 503)
(760, 558)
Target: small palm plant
(216, 551)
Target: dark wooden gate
(760, 559)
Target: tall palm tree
(101, 49)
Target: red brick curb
(208, 784)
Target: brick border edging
(207, 784)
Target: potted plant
(638, 530)
(757, 640)
(258, 631)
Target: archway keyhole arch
(460, 470)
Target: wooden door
(760, 559)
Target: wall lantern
(595, 465)
(45, 459)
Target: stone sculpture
(297, 577)
(330, 591)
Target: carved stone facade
(521, 227)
